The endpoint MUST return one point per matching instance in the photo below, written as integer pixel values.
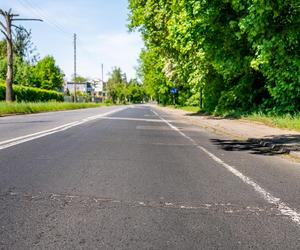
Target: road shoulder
(275, 140)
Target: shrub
(30, 94)
(108, 101)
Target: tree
(155, 82)
(116, 85)
(135, 91)
(23, 57)
(47, 75)
(79, 79)
(6, 30)
(243, 55)
(23, 46)
(8, 16)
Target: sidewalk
(247, 135)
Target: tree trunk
(200, 99)
(9, 75)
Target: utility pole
(75, 85)
(201, 98)
(103, 86)
(6, 29)
(102, 73)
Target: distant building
(99, 88)
(85, 87)
(96, 89)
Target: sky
(100, 26)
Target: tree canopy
(28, 70)
(47, 75)
(244, 55)
(121, 91)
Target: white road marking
(30, 137)
(283, 208)
(132, 119)
(135, 119)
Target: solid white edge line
(283, 208)
(30, 137)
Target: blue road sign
(174, 91)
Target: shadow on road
(271, 145)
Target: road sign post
(174, 91)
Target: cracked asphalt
(130, 181)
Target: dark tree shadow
(271, 145)
(212, 117)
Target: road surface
(134, 177)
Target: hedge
(30, 94)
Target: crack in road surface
(86, 200)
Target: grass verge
(280, 121)
(35, 107)
(185, 108)
(283, 121)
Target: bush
(108, 101)
(30, 94)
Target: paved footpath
(138, 177)
(250, 135)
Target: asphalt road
(134, 177)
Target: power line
(45, 17)
(37, 11)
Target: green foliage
(47, 75)
(2, 48)
(243, 54)
(108, 101)
(79, 79)
(23, 46)
(29, 94)
(116, 85)
(121, 91)
(44, 74)
(135, 92)
(282, 121)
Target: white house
(98, 88)
(85, 87)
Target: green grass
(35, 107)
(280, 121)
(194, 109)
(283, 121)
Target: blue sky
(100, 26)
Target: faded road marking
(283, 208)
(30, 137)
(85, 200)
(133, 119)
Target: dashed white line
(30, 137)
(283, 208)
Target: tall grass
(185, 108)
(282, 121)
(35, 107)
(288, 121)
